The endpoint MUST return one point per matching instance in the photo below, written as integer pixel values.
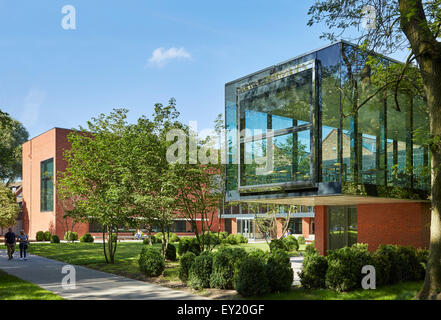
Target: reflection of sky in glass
(255, 120)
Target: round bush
(278, 244)
(423, 258)
(170, 253)
(345, 265)
(211, 239)
(55, 239)
(71, 236)
(231, 239)
(223, 269)
(87, 237)
(47, 236)
(151, 262)
(279, 272)
(409, 264)
(223, 235)
(260, 254)
(250, 278)
(200, 271)
(185, 263)
(188, 244)
(314, 270)
(291, 243)
(386, 264)
(301, 240)
(39, 236)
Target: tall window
(342, 227)
(47, 185)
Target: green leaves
(8, 207)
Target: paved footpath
(90, 284)
(297, 266)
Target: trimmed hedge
(47, 236)
(345, 265)
(341, 269)
(71, 236)
(55, 239)
(313, 274)
(279, 272)
(151, 262)
(291, 243)
(223, 269)
(250, 278)
(278, 244)
(234, 239)
(170, 253)
(185, 263)
(188, 244)
(87, 237)
(39, 236)
(200, 271)
(301, 240)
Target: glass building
(311, 131)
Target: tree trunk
(432, 81)
(427, 51)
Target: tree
(9, 208)
(12, 136)
(98, 175)
(400, 24)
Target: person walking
(10, 243)
(23, 240)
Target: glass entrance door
(342, 230)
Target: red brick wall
(306, 225)
(398, 223)
(321, 229)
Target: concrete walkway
(90, 284)
(297, 266)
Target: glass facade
(301, 123)
(47, 185)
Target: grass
(400, 291)
(13, 288)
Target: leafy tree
(98, 175)
(399, 24)
(9, 208)
(12, 136)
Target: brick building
(42, 159)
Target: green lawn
(13, 288)
(401, 291)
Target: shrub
(278, 271)
(170, 253)
(278, 244)
(408, 263)
(345, 265)
(386, 264)
(314, 270)
(47, 236)
(87, 237)
(151, 262)
(250, 278)
(185, 263)
(262, 255)
(241, 238)
(200, 271)
(291, 243)
(173, 237)
(231, 239)
(188, 244)
(301, 240)
(146, 241)
(210, 238)
(39, 236)
(223, 235)
(222, 270)
(71, 236)
(423, 258)
(310, 248)
(55, 239)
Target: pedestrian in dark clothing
(10, 243)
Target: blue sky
(51, 77)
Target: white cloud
(160, 57)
